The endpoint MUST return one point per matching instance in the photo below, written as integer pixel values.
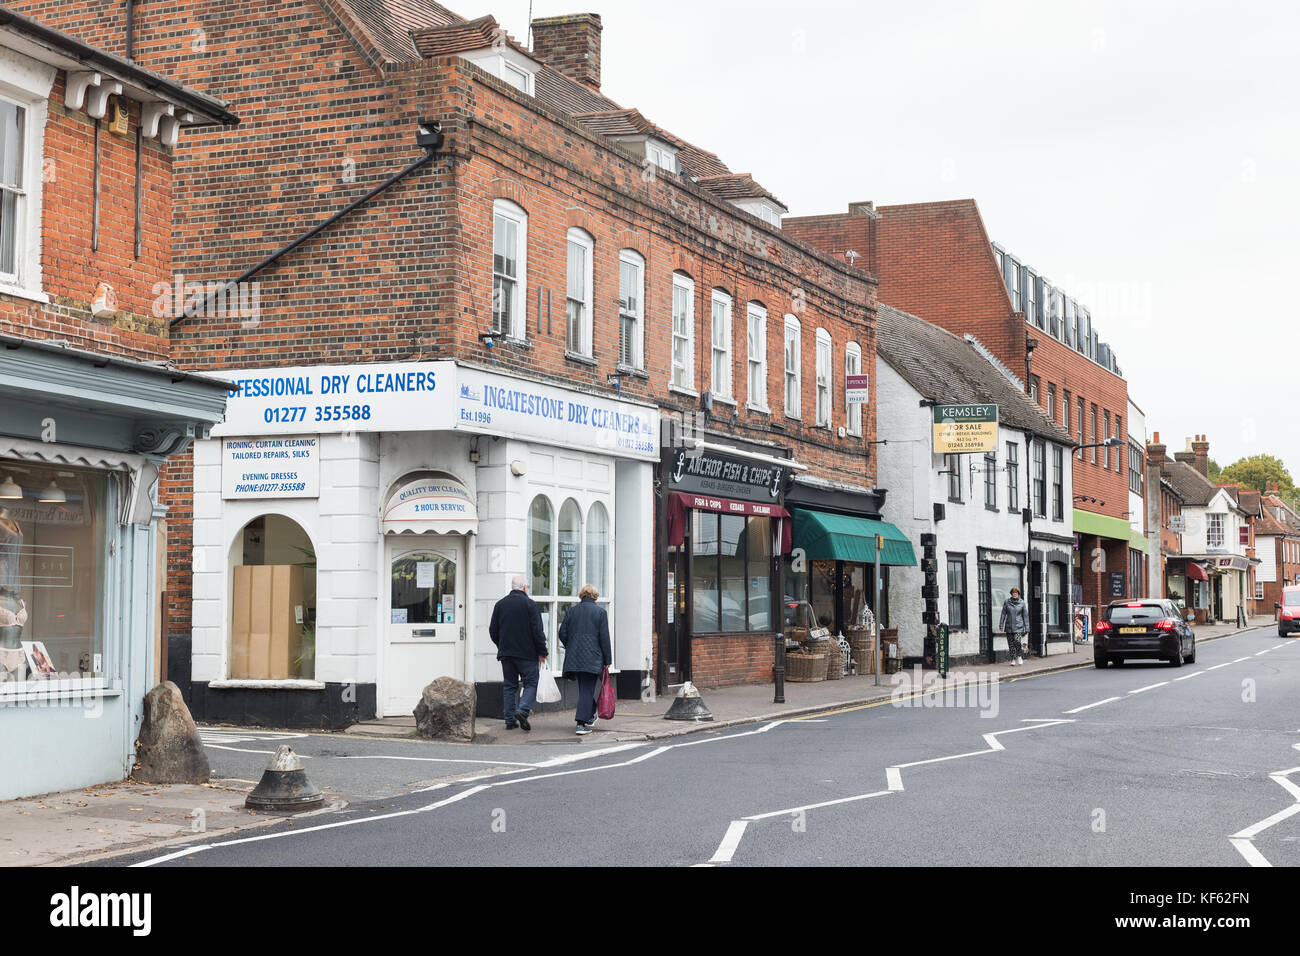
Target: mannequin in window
(13, 611)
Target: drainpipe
(130, 29)
(432, 143)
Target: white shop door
(426, 614)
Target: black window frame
(1013, 476)
(991, 481)
(954, 558)
(1058, 483)
(697, 559)
(952, 465)
(1038, 456)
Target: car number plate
(1132, 630)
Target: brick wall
(732, 659)
(71, 268)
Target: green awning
(1138, 541)
(830, 537)
(1089, 522)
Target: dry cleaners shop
(354, 525)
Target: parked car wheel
(1177, 659)
(1100, 662)
(1191, 658)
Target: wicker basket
(834, 660)
(863, 650)
(806, 668)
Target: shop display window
(731, 573)
(52, 527)
(566, 552)
(273, 600)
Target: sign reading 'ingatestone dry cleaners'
(965, 429)
(724, 476)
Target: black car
(1144, 628)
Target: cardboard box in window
(267, 620)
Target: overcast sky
(1144, 155)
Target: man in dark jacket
(516, 630)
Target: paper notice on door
(426, 574)
(399, 615)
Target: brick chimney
(570, 45)
(1157, 453)
(1201, 449)
(1197, 454)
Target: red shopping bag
(605, 697)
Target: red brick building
(936, 260)
(553, 251)
(91, 409)
(1165, 524)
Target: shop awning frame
(823, 536)
(679, 502)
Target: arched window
(824, 401)
(577, 334)
(509, 268)
(853, 366)
(683, 375)
(597, 569)
(272, 553)
(567, 557)
(793, 366)
(631, 309)
(540, 526)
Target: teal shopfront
(82, 441)
(833, 561)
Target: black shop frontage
(722, 529)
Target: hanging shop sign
(277, 466)
(857, 389)
(725, 476)
(965, 429)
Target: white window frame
(661, 155)
(27, 84)
(825, 378)
(632, 258)
(584, 241)
(756, 367)
(685, 284)
(793, 335)
(512, 212)
(852, 351)
(722, 390)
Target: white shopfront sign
(434, 396)
(279, 466)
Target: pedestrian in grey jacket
(1015, 624)
(584, 632)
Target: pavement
(382, 760)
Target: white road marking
(1108, 700)
(1189, 676)
(1276, 646)
(894, 777)
(1240, 659)
(727, 848)
(1264, 651)
(584, 755)
(324, 826)
(1250, 852)
(489, 763)
(816, 806)
(1149, 687)
(1243, 841)
(1217, 666)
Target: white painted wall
(1136, 435)
(1266, 551)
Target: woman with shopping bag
(584, 632)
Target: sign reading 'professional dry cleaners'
(965, 429)
(723, 476)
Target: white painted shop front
(398, 501)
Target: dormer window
(661, 155)
(519, 79)
(764, 209)
(508, 65)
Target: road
(1138, 765)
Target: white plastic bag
(548, 692)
